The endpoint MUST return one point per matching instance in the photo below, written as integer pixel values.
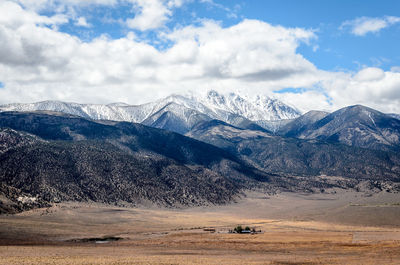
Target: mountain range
(177, 113)
(183, 150)
(358, 125)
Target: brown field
(335, 228)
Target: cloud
(81, 22)
(176, 3)
(150, 14)
(61, 5)
(231, 12)
(364, 25)
(13, 16)
(369, 74)
(395, 69)
(370, 86)
(251, 50)
(307, 100)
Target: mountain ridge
(355, 125)
(185, 110)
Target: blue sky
(311, 54)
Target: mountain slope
(100, 172)
(301, 124)
(300, 157)
(57, 157)
(176, 118)
(355, 125)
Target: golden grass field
(340, 228)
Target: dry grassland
(296, 230)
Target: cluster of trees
(239, 229)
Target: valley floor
(337, 227)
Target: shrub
(238, 229)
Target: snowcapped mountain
(254, 109)
(176, 112)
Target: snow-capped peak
(256, 108)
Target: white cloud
(369, 74)
(395, 69)
(231, 13)
(147, 15)
(13, 16)
(252, 51)
(363, 25)
(176, 3)
(60, 5)
(81, 22)
(307, 100)
(370, 86)
(392, 19)
(150, 14)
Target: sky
(312, 54)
